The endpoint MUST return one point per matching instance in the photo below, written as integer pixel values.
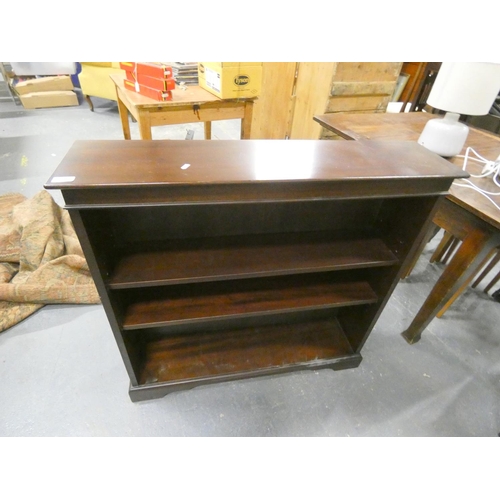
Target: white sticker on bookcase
(68, 178)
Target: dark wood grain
(205, 301)
(118, 164)
(186, 221)
(253, 259)
(118, 173)
(254, 192)
(245, 351)
(197, 260)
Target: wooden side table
(191, 105)
(464, 213)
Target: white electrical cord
(490, 168)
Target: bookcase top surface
(136, 163)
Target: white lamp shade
(466, 88)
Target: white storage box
(43, 68)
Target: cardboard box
(154, 70)
(155, 94)
(152, 83)
(51, 99)
(231, 80)
(42, 84)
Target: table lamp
(459, 89)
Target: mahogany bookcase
(220, 260)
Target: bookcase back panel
(136, 224)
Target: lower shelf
(184, 361)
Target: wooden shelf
(265, 349)
(247, 298)
(210, 259)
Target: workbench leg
(145, 126)
(246, 121)
(464, 263)
(208, 130)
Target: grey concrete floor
(61, 373)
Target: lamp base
(444, 136)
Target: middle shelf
(190, 260)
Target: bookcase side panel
(92, 249)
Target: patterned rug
(41, 261)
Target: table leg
(493, 262)
(246, 121)
(443, 247)
(122, 109)
(208, 130)
(471, 277)
(145, 126)
(473, 250)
